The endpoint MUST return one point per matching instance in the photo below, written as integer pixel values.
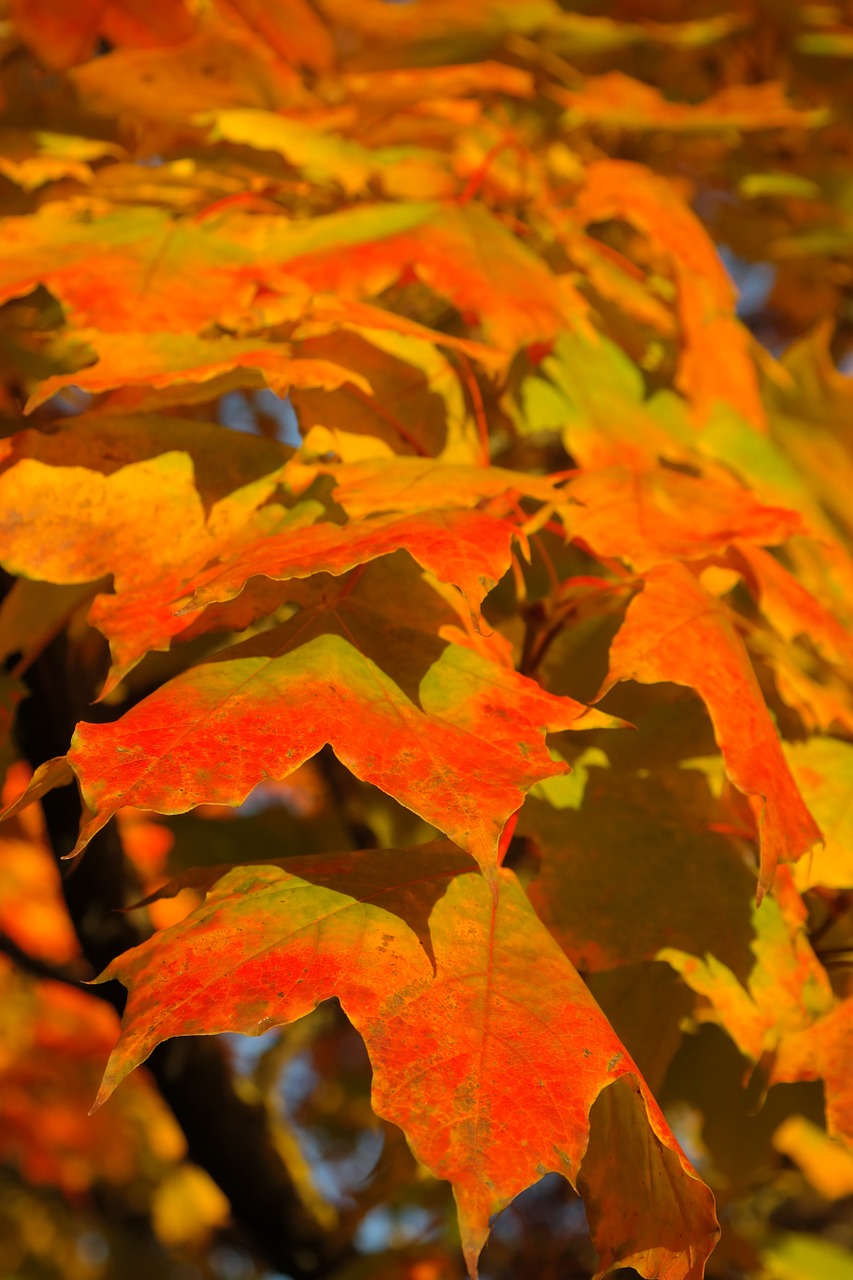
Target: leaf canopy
(425, 535)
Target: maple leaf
(458, 741)
(419, 484)
(518, 365)
(786, 1011)
(619, 189)
(786, 987)
(470, 550)
(139, 270)
(160, 360)
(615, 98)
(675, 630)
(789, 606)
(418, 405)
(823, 769)
(219, 62)
(489, 1026)
(75, 507)
(594, 395)
(822, 1052)
(465, 255)
(654, 515)
(455, 735)
(638, 865)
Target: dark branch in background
(36, 968)
(226, 1136)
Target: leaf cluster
(427, 602)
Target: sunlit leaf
(823, 768)
(705, 303)
(674, 630)
(786, 989)
(515, 1075)
(162, 361)
(450, 734)
(651, 516)
(617, 99)
(825, 1162)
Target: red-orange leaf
(468, 549)
(168, 360)
(645, 517)
(466, 256)
(449, 733)
(619, 189)
(824, 1051)
(675, 631)
(138, 270)
(58, 35)
(490, 1059)
(789, 606)
(420, 484)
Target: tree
(377, 402)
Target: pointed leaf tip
(53, 773)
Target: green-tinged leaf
(321, 156)
(786, 992)
(602, 410)
(641, 862)
(32, 158)
(793, 1256)
(138, 270)
(466, 256)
